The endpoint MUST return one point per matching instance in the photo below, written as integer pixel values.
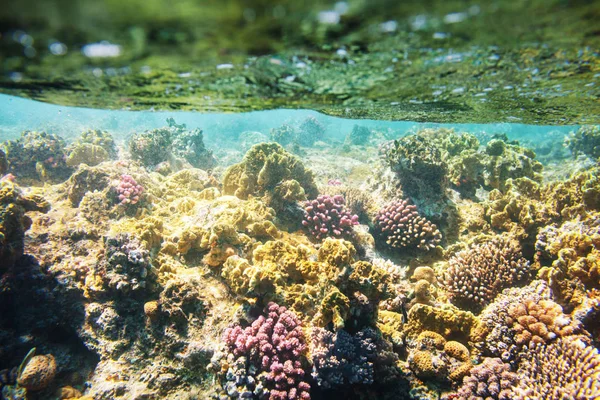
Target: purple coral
(492, 379)
(402, 227)
(128, 190)
(328, 216)
(274, 344)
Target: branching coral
(476, 275)
(401, 226)
(564, 369)
(128, 190)
(327, 216)
(272, 350)
(491, 380)
(540, 322)
(340, 358)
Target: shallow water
(18, 114)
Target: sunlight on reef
(287, 254)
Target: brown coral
(540, 322)
(401, 226)
(476, 275)
(38, 373)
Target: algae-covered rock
(359, 135)
(585, 140)
(37, 156)
(92, 148)
(174, 144)
(85, 153)
(14, 222)
(265, 171)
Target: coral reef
(284, 135)
(247, 139)
(430, 161)
(154, 274)
(569, 258)
(432, 357)
(341, 359)
(310, 131)
(37, 156)
(476, 275)
(327, 216)
(401, 226)
(125, 267)
(419, 163)
(92, 148)
(266, 358)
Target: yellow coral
(447, 320)
(421, 363)
(431, 339)
(457, 350)
(336, 252)
(423, 273)
(390, 324)
(334, 308)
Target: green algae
(533, 62)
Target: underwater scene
(329, 200)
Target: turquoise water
(18, 114)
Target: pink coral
(328, 216)
(128, 190)
(276, 342)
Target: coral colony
(440, 267)
(327, 216)
(128, 190)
